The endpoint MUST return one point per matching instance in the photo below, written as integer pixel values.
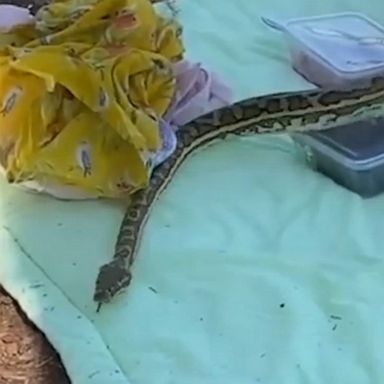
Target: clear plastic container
(352, 155)
(342, 50)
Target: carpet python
(290, 112)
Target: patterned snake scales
(275, 113)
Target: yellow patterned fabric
(82, 91)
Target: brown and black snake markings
(275, 113)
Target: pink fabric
(198, 92)
(11, 15)
(169, 142)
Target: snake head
(112, 278)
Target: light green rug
(253, 268)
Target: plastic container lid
(359, 146)
(348, 42)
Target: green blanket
(253, 268)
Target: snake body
(274, 113)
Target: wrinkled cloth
(168, 142)
(11, 15)
(198, 91)
(82, 93)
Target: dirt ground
(26, 357)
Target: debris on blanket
(91, 96)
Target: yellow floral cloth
(81, 94)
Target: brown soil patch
(26, 357)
